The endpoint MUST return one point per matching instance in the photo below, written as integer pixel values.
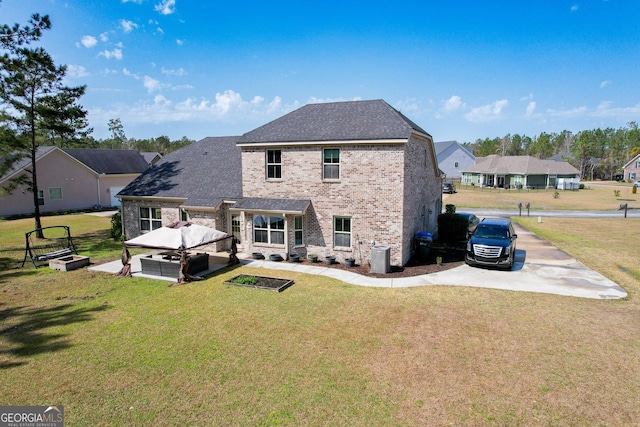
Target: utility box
(381, 259)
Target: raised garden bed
(260, 282)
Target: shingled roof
(522, 165)
(336, 121)
(204, 173)
(109, 161)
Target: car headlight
(469, 246)
(507, 250)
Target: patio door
(235, 226)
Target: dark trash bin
(423, 241)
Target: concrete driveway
(540, 267)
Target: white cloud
(104, 37)
(487, 112)
(605, 83)
(132, 1)
(531, 107)
(454, 103)
(115, 53)
(76, 71)
(526, 98)
(130, 74)
(179, 72)
(574, 8)
(151, 84)
(166, 7)
(89, 41)
(228, 107)
(408, 106)
(567, 114)
(605, 109)
(128, 26)
(179, 42)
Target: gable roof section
(25, 162)
(637, 157)
(109, 162)
(444, 146)
(524, 165)
(336, 121)
(203, 173)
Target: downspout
(100, 175)
(286, 237)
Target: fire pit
(68, 263)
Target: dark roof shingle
(336, 121)
(204, 172)
(109, 161)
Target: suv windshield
(492, 232)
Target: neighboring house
(631, 170)
(72, 179)
(519, 172)
(151, 158)
(453, 158)
(329, 179)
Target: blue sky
(462, 70)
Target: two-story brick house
(333, 178)
(329, 179)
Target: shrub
(450, 209)
(116, 226)
(616, 193)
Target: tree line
(597, 154)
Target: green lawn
(122, 351)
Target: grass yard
(117, 351)
(596, 196)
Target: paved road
(631, 213)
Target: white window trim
(152, 221)
(272, 164)
(269, 231)
(298, 230)
(349, 233)
(338, 164)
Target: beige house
(71, 179)
(632, 169)
(520, 172)
(331, 179)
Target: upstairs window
(150, 219)
(331, 163)
(274, 164)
